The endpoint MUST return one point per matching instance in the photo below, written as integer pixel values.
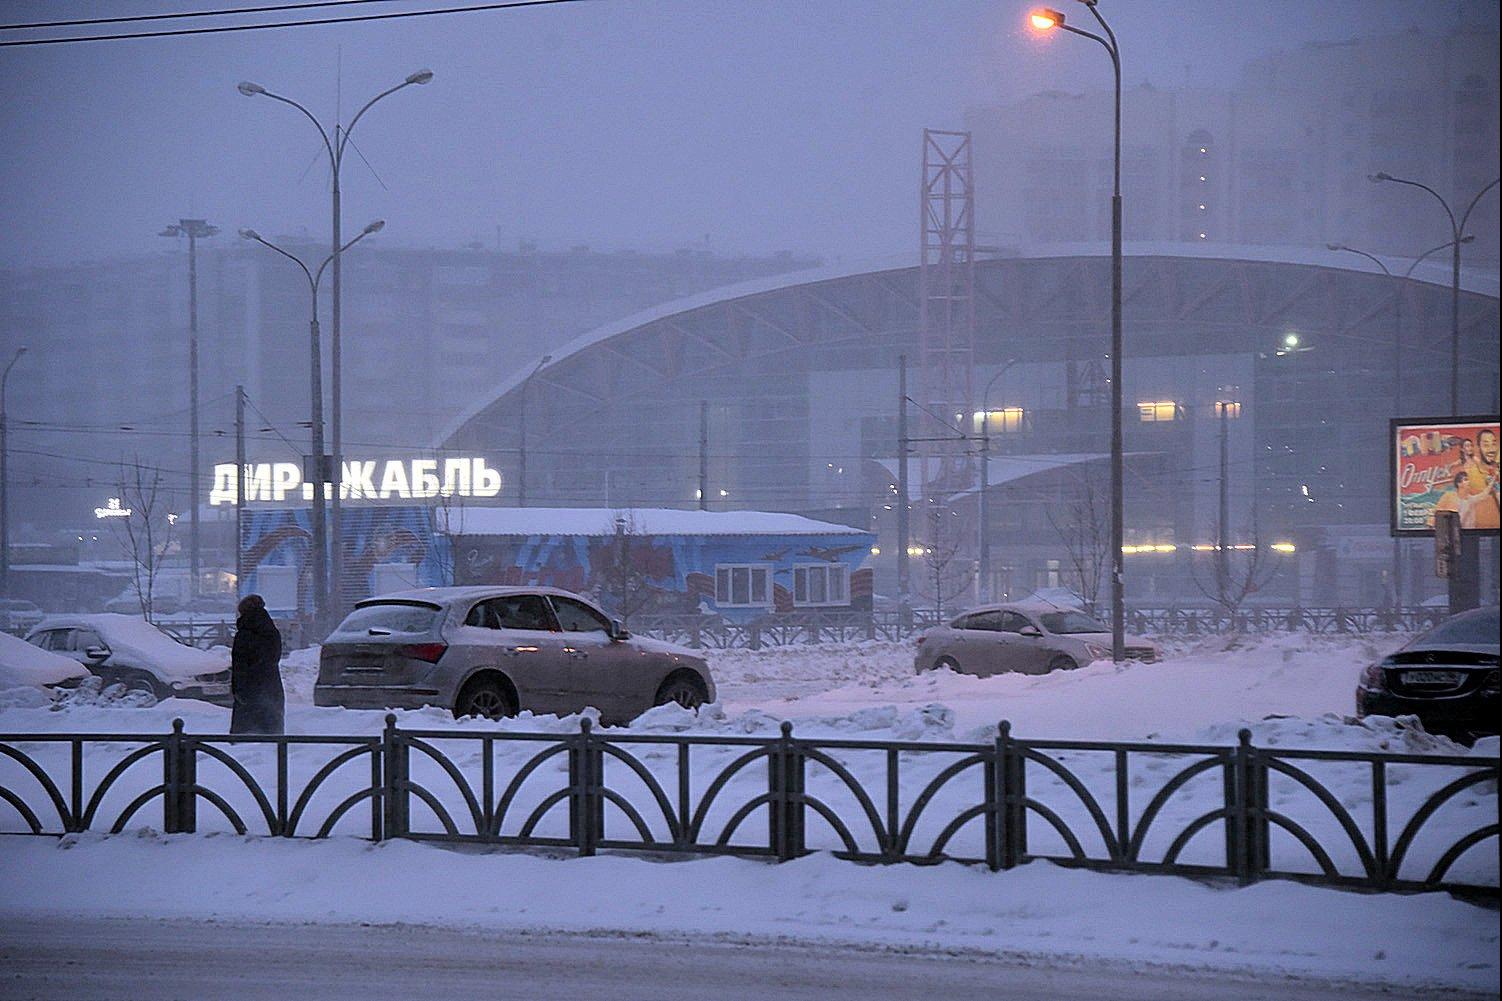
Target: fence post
(391, 786)
(785, 786)
(586, 806)
(756, 635)
(871, 626)
(997, 855)
(178, 799)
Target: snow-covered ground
(1292, 691)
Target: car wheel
(684, 689)
(947, 662)
(1061, 662)
(485, 697)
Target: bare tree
(144, 530)
(1082, 523)
(1237, 571)
(945, 574)
(621, 579)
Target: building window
(743, 586)
(999, 421)
(1157, 411)
(1231, 408)
(821, 584)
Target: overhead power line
(178, 15)
(309, 22)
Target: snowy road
(107, 959)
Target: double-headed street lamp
(319, 474)
(194, 230)
(1047, 19)
(335, 146)
(5, 478)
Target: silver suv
(493, 651)
(1026, 638)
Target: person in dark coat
(255, 672)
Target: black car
(1446, 677)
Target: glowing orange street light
(1046, 19)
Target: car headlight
(1096, 652)
(1371, 676)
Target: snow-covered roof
(1432, 272)
(644, 521)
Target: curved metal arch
(649, 780)
(243, 773)
(631, 814)
(1087, 798)
(718, 784)
(859, 791)
(1430, 806)
(27, 762)
(224, 807)
(139, 754)
(824, 810)
(953, 827)
(136, 804)
(1307, 840)
(1194, 827)
(344, 807)
(740, 815)
(439, 810)
(935, 784)
(460, 782)
(21, 808)
(1459, 848)
(503, 803)
(1062, 828)
(550, 801)
(334, 763)
(1173, 785)
(1339, 812)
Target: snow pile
(1037, 910)
(132, 640)
(93, 693)
(25, 666)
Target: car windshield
(1072, 622)
(1477, 628)
(390, 617)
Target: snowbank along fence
(1378, 821)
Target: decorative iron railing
(1373, 820)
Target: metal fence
(1239, 811)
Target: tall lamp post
(5, 478)
(985, 462)
(1397, 365)
(194, 230)
(1465, 578)
(335, 146)
(1047, 19)
(521, 428)
(319, 472)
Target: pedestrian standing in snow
(255, 672)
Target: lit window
(821, 584)
(1158, 410)
(743, 586)
(1005, 419)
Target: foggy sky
(761, 125)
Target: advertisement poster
(1445, 464)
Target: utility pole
(239, 490)
(903, 527)
(1222, 538)
(5, 478)
(703, 455)
(194, 230)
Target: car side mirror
(1032, 632)
(97, 653)
(617, 631)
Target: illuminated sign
(363, 480)
(1444, 464)
(112, 509)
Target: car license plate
(1446, 678)
(218, 689)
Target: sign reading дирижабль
(363, 480)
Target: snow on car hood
(25, 666)
(1104, 639)
(651, 645)
(132, 640)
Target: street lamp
(521, 454)
(335, 147)
(1047, 19)
(5, 478)
(194, 230)
(985, 457)
(320, 479)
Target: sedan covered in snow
(128, 650)
(1025, 638)
(1446, 677)
(494, 651)
(24, 666)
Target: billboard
(1444, 464)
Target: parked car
(1026, 638)
(18, 616)
(493, 651)
(131, 651)
(24, 666)
(1446, 677)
